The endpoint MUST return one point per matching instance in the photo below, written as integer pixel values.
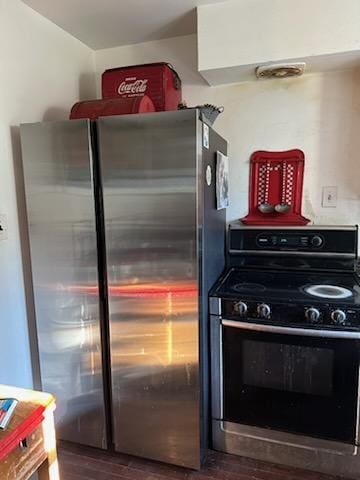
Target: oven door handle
(308, 332)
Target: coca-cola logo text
(132, 87)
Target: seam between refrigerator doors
(102, 281)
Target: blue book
(7, 407)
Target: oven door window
(296, 384)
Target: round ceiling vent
(280, 70)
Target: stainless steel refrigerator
(125, 242)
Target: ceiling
(109, 23)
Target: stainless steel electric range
(285, 338)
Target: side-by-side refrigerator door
(58, 176)
(149, 172)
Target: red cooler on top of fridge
(94, 109)
(157, 80)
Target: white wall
(318, 113)
(235, 36)
(43, 72)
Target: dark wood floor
(82, 463)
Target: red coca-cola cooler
(114, 106)
(157, 80)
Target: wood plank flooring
(83, 463)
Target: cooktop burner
(245, 286)
(334, 292)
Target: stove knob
(263, 310)
(312, 314)
(240, 308)
(338, 317)
(316, 241)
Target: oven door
(285, 379)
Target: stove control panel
(341, 241)
(289, 241)
(316, 316)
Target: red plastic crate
(115, 106)
(157, 80)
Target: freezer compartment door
(149, 171)
(58, 174)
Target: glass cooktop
(289, 286)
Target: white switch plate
(3, 227)
(329, 197)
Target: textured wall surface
(43, 72)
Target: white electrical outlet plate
(3, 227)
(329, 197)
